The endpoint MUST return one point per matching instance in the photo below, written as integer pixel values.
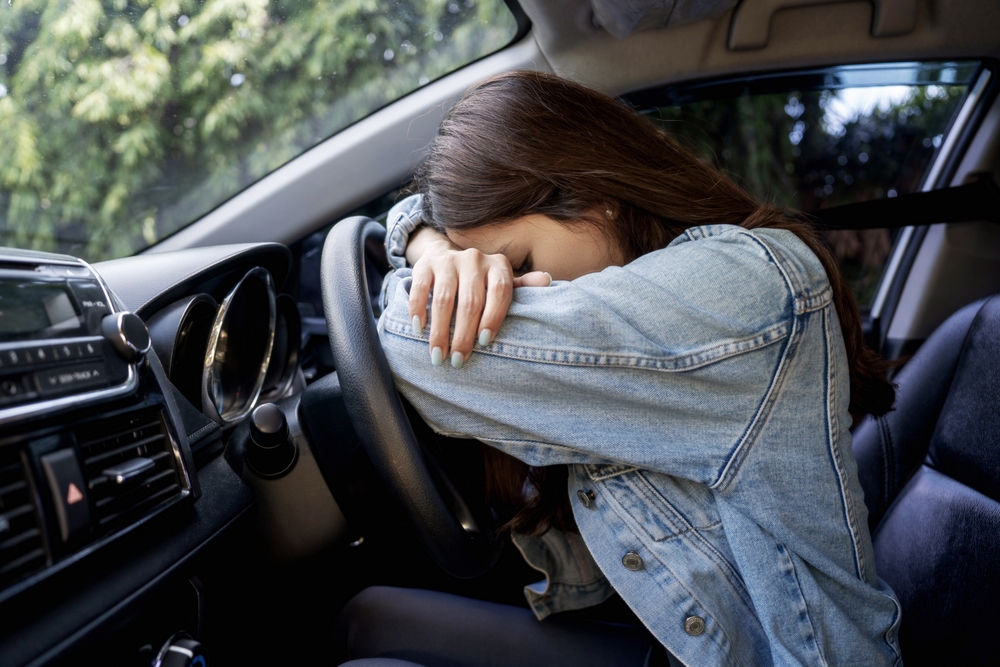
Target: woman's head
(528, 143)
(528, 161)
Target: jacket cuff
(403, 218)
(572, 578)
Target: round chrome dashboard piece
(239, 348)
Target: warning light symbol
(74, 495)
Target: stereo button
(69, 493)
(95, 303)
(71, 378)
(14, 358)
(11, 391)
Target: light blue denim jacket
(699, 396)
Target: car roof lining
(803, 36)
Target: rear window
(820, 138)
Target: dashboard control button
(70, 378)
(12, 390)
(94, 302)
(69, 493)
(13, 358)
(65, 352)
(90, 348)
(128, 335)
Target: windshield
(819, 138)
(122, 121)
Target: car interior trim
(213, 404)
(751, 22)
(54, 406)
(879, 312)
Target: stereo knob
(128, 334)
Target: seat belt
(979, 200)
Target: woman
(696, 362)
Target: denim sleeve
(403, 218)
(662, 364)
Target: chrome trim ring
(213, 404)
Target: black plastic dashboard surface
(147, 283)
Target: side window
(822, 138)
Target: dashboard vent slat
(116, 441)
(126, 449)
(21, 548)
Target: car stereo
(88, 449)
(53, 340)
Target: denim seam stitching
(895, 624)
(698, 542)
(802, 301)
(678, 528)
(625, 516)
(805, 605)
(688, 362)
(756, 425)
(735, 461)
(506, 441)
(850, 512)
(597, 477)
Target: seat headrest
(966, 441)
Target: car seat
(930, 470)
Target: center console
(88, 449)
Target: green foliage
(123, 120)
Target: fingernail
(485, 336)
(437, 356)
(418, 328)
(457, 359)
(549, 275)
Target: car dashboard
(121, 384)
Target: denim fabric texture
(572, 579)
(701, 394)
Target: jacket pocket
(644, 495)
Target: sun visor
(623, 17)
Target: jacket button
(586, 498)
(632, 561)
(694, 625)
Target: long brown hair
(528, 142)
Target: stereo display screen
(37, 310)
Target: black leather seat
(931, 475)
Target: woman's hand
(474, 287)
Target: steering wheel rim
(444, 524)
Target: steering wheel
(445, 526)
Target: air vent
(21, 548)
(129, 463)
